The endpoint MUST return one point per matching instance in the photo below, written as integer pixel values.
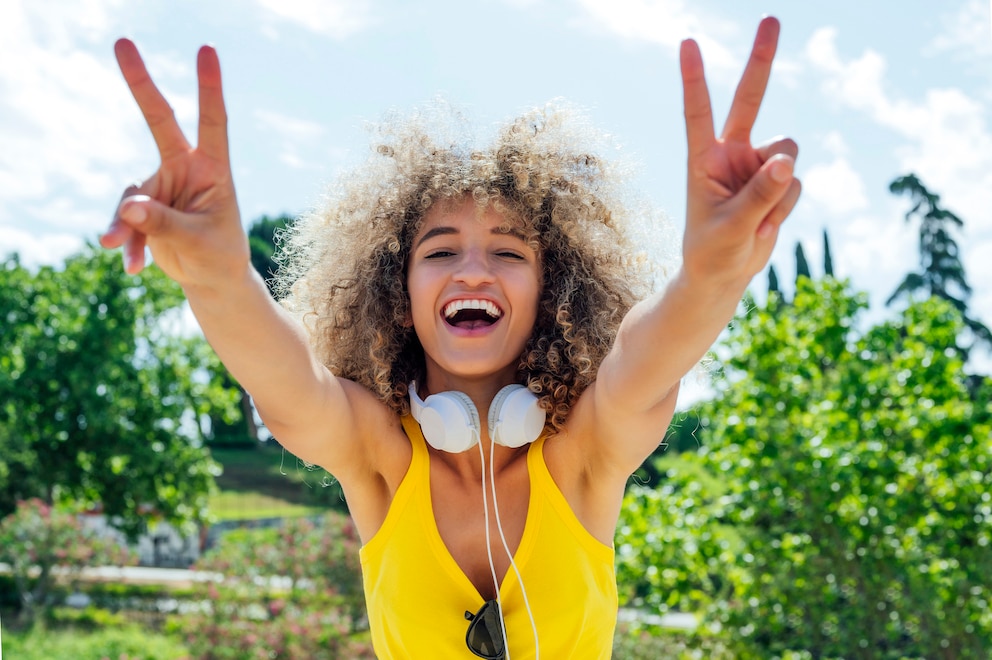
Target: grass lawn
(267, 482)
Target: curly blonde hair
(343, 266)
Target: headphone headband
(450, 421)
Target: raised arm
(738, 196)
(187, 214)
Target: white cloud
(337, 19)
(69, 129)
(835, 186)
(38, 249)
(967, 32)
(979, 258)
(874, 248)
(667, 23)
(944, 131)
(835, 144)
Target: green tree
(773, 286)
(828, 260)
(262, 238)
(854, 470)
(941, 271)
(802, 266)
(100, 395)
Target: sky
(870, 91)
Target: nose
(474, 268)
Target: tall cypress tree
(773, 281)
(828, 261)
(802, 266)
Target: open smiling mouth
(472, 314)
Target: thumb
(766, 188)
(150, 217)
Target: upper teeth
(489, 307)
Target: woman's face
(474, 289)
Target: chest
(460, 513)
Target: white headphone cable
(489, 551)
(506, 546)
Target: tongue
(470, 319)
(472, 324)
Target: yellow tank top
(417, 595)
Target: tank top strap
(417, 475)
(544, 485)
(420, 460)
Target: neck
(468, 465)
(481, 391)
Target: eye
(507, 254)
(439, 254)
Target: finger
(779, 145)
(212, 139)
(766, 189)
(149, 217)
(769, 226)
(119, 231)
(754, 81)
(134, 253)
(696, 99)
(157, 112)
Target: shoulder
(381, 458)
(592, 458)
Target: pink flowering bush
(294, 591)
(43, 545)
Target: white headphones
(450, 421)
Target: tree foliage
(100, 396)
(941, 271)
(262, 238)
(851, 514)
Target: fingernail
(135, 213)
(781, 170)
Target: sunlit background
(871, 91)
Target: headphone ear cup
(515, 417)
(450, 422)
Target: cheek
(419, 302)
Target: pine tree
(941, 271)
(828, 261)
(802, 266)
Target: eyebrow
(447, 231)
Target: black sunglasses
(485, 632)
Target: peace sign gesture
(738, 194)
(186, 212)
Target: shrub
(288, 592)
(43, 545)
(118, 643)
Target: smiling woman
(540, 189)
(491, 295)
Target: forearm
(261, 345)
(664, 336)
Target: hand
(738, 195)
(186, 212)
